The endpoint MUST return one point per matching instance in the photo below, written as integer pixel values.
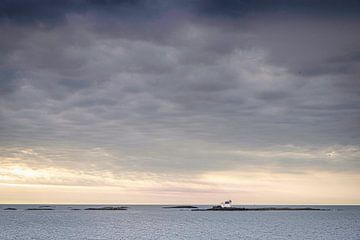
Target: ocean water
(154, 222)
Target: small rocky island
(75, 209)
(226, 206)
(40, 209)
(182, 207)
(108, 208)
(219, 208)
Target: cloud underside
(285, 174)
(112, 93)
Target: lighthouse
(226, 204)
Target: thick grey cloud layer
(133, 76)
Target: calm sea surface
(154, 222)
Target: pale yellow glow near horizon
(49, 175)
(243, 187)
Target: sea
(156, 222)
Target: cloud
(154, 90)
(234, 8)
(50, 12)
(166, 163)
(258, 177)
(148, 86)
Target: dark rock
(40, 209)
(107, 208)
(10, 208)
(219, 208)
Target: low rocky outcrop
(108, 208)
(40, 209)
(220, 208)
(10, 208)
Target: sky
(165, 102)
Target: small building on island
(226, 204)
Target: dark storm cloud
(7, 81)
(238, 8)
(45, 10)
(52, 11)
(213, 74)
